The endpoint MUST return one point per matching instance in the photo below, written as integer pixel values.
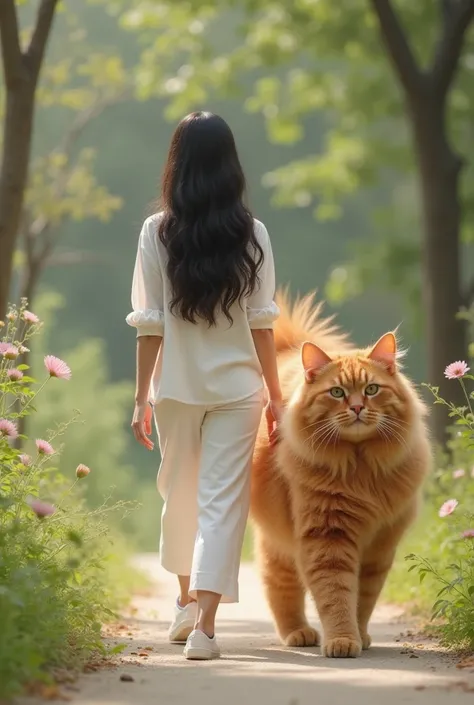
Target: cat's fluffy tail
(302, 320)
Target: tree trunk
(446, 336)
(14, 175)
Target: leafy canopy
(307, 60)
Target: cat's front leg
(330, 567)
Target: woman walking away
(203, 307)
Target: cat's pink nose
(357, 408)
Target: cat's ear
(385, 352)
(314, 359)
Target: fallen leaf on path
(467, 662)
(464, 686)
(47, 692)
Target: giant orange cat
(331, 501)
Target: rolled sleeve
(147, 286)
(262, 311)
(263, 317)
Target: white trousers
(204, 479)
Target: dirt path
(256, 669)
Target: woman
(203, 307)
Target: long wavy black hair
(208, 232)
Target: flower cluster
(447, 546)
(16, 396)
(459, 370)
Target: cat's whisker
(394, 433)
(327, 437)
(322, 422)
(334, 436)
(398, 422)
(394, 426)
(383, 433)
(324, 427)
(322, 433)
(320, 437)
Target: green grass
(404, 587)
(247, 549)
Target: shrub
(54, 553)
(448, 562)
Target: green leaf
(118, 649)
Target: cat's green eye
(372, 389)
(337, 392)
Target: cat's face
(352, 398)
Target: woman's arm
(148, 318)
(262, 311)
(148, 347)
(265, 347)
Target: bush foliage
(56, 560)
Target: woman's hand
(273, 414)
(141, 424)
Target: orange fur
(332, 501)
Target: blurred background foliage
(318, 119)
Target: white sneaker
(200, 647)
(183, 623)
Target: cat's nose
(357, 408)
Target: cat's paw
(342, 647)
(366, 641)
(305, 636)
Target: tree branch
(457, 16)
(10, 41)
(39, 38)
(86, 116)
(39, 235)
(398, 47)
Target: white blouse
(198, 364)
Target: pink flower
(56, 367)
(460, 472)
(41, 509)
(448, 507)
(8, 429)
(456, 370)
(14, 375)
(11, 315)
(82, 471)
(25, 459)
(30, 317)
(44, 448)
(468, 534)
(9, 351)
